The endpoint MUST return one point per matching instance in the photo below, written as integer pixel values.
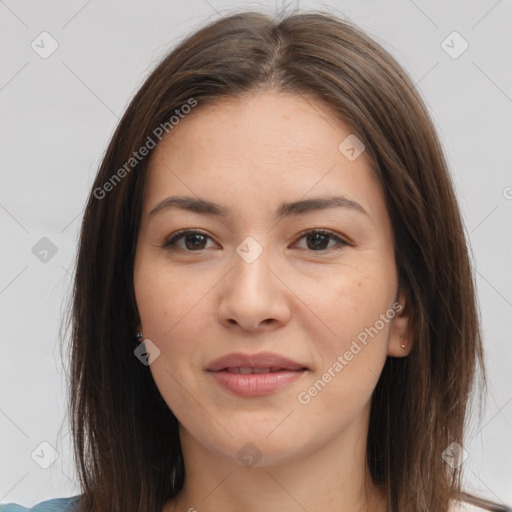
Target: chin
(252, 448)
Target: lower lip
(256, 384)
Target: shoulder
(55, 505)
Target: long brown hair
(126, 441)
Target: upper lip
(261, 360)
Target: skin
(197, 304)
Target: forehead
(275, 122)
(259, 147)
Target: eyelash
(170, 244)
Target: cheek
(351, 353)
(173, 313)
(165, 296)
(356, 313)
(175, 308)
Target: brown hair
(127, 447)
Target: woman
(273, 306)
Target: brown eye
(318, 240)
(193, 241)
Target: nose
(252, 297)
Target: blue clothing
(55, 505)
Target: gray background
(58, 114)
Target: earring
(402, 338)
(139, 336)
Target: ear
(400, 338)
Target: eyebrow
(284, 210)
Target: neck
(332, 476)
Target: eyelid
(341, 242)
(323, 231)
(170, 241)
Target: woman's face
(253, 280)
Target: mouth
(252, 375)
(263, 362)
(248, 371)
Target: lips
(252, 370)
(264, 362)
(253, 375)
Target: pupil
(319, 237)
(191, 237)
